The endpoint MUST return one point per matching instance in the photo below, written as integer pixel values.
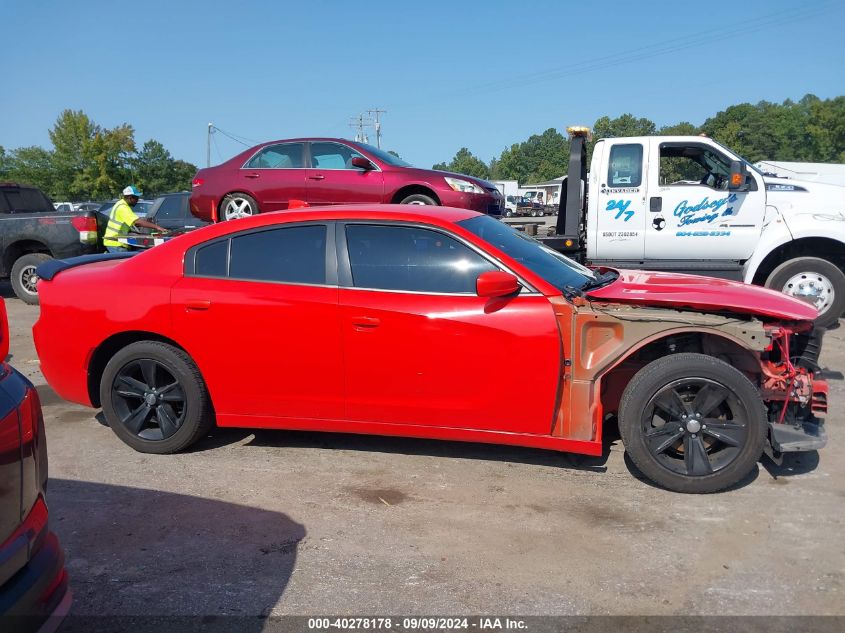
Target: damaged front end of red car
(792, 389)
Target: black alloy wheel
(154, 398)
(148, 399)
(692, 423)
(695, 426)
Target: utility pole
(359, 123)
(376, 112)
(208, 145)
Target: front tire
(419, 199)
(24, 280)
(154, 398)
(237, 205)
(815, 281)
(692, 423)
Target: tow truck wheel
(24, 279)
(692, 423)
(237, 205)
(814, 280)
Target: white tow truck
(688, 204)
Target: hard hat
(132, 190)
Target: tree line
(810, 130)
(90, 162)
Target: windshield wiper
(601, 279)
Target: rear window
(24, 199)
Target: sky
(483, 75)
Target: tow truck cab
(688, 204)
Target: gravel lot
(305, 523)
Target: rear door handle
(252, 175)
(365, 323)
(317, 177)
(198, 304)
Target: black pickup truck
(32, 231)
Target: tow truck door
(692, 215)
(619, 209)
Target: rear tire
(237, 205)
(814, 280)
(24, 280)
(692, 423)
(419, 199)
(155, 399)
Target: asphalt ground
(276, 522)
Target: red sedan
(323, 171)
(388, 321)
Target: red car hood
(671, 290)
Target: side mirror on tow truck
(739, 177)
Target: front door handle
(197, 304)
(252, 175)
(655, 205)
(362, 323)
(317, 177)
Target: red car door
(276, 175)
(332, 179)
(421, 348)
(259, 315)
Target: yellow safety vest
(121, 219)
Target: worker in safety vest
(122, 218)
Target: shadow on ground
(139, 552)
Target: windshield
(385, 157)
(742, 158)
(557, 269)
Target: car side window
(626, 165)
(170, 208)
(290, 255)
(412, 259)
(284, 156)
(212, 260)
(332, 156)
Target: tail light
(196, 182)
(4, 331)
(87, 227)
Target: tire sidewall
(656, 375)
(419, 197)
(180, 369)
(229, 197)
(21, 263)
(780, 275)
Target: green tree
(182, 173)
(106, 164)
(4, 164)
(152, 169)
(542, 157)
(70, 135)
(32, 166)
(465, 162)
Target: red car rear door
(259, 315)
(333, 180)
(421, 348)
(276, 175)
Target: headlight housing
(464, 186)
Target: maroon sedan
(324, 171)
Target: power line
(665, 47)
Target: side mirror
(362, 163)
(495, 283)
(738, 177)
